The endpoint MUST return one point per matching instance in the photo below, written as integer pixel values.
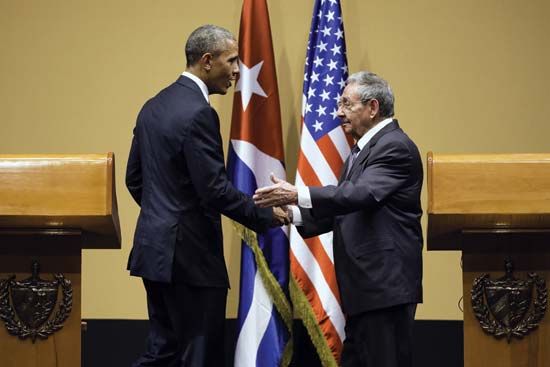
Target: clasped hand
(280, 194)
(281, 216)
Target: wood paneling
(489, 183)
(60, 192)
(497, 192)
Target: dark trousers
(187, 326)
(380, 338)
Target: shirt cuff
(296, 215)
(304, 198)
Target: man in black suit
(375, 213)
(176, 174)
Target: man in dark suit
(375, 213)
(176, 174)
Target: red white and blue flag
(323, 151)
(256, 150)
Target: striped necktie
(354, 152)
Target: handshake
(279, 196)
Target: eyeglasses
(347, 104)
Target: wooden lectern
(496, 208)
(51, 207)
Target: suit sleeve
(312, 226)
(133, 171)
(387, 172)
(203, 152)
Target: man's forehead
(230, 45)
(350, 91)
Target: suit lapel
(364, 153)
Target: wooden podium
(51, 207)
(496, 208)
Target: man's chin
(347, 128)
(221, 91)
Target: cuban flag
(256, 150)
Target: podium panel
(51, 207)
(495, 208)
(62, 348)
(481, 349)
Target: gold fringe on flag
(272, 286)
(303, 310)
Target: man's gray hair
(371, 86)
(206, 39)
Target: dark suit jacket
(176, 173)
(375, 214)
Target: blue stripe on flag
(239, 174)
(273, 342)
(275, 246)
(248, 272)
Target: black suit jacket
(375, 214)
(176, 173)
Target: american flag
(323, 150)
(256, 150)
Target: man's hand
(280, 216)
(279, 194)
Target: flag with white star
(256, 150)
(323, 151)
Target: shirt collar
(369, 134)
(199, 82)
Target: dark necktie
(354, 152)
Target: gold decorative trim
(272, 286)
(302, 309)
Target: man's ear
(374, 106)
(206, 61)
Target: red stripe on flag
(306, 171)
(325, 324)
(331, 154)
(327, 268)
